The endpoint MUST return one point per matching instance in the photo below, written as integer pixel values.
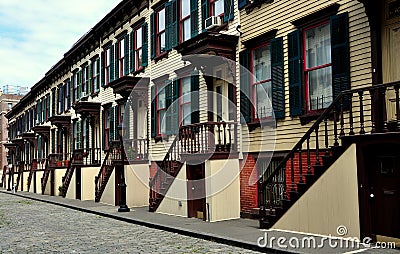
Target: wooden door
(196, 191)
(118, 181)
(78, 185)
(383, 165)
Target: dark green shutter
(153, 42)
(112, 64)
(53, 101)
(103, 129)
(39, 143)
(168, 102)
(103, 73)
(126, 54)
(132, 52)
(174, 24)
(79, 134)
(89, 80)
(145, 46)
(153, 112)
(168, 24)
(242, 4)
(204, 13)
(112, 130)
(228, 10)
(194, 18)
(97, 75)
(116, 69)
(245, 102)
(80, 76)
(195, 116)
(340, 55)
(277, 78)
(68, 91)
(295, 84)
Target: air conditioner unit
(83, 94)
(212, 22)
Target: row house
(282, 111)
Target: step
(310, 178)
(327, 160)
(319, 170)
(302, 187)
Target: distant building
(11, 96)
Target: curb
(181, 231)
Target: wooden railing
(66, 179)
(20, 172)
(100, 181)
(33, 168)
(87, 156)
(203, 138)
(137, 149)
(45, 176)
(354, 112)
(59, 160)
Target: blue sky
(35, 34)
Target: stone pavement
(162, 233)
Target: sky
(35, 34)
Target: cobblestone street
(28, 226)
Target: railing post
(308, 157)
(301, 163)
(396, 89)
(351, 132)
(317, 146)
(362, 129)
(292, 172)
(335, 134)
(341, 135)
(326, 136)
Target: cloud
(34, 35)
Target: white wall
(331, 202)
(87, 180)
(223, 189)
(108, 196)
(137, 180)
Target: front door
(78, 185)
(196, 191)
(118, 181)
(383, 165)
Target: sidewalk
(241, 232)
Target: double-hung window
(106, 124)
(138, 48)
(216, 8)
(184, 21)
(261, 80)
(161, 109)
(95, 75)
(107, 65)
(185, 101)
(85, 80)
(160, 34)
(121, 57)
(75, 85)
(318, 66)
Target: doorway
(196, 191)
(383, 167)
(78, 185)
(118, 181)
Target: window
(216, 7)
(10, 105)
(95, 75)
(85, 81)
(185, 105)
(160, 34)
(121, 57)
(107, 64)
(75, 85)
(261, 84)
(107, 124)
(84, 137)
(67, 104)
(318, 66)
(138, 48)
(161, 108)
(184, 21)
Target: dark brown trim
(138, 23)
(317, 16)
(161, 56)
(260, 39)
(121, 35)
(160, 4)
(160, 80)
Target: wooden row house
(282, 111)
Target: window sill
(138, 71)
(313, 115)
(94, 94)
(160, 138)
(161, 56)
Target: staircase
(167, 170)
(20, 173)
(102, 177)
(32, 169)
(46, 174)
(354, 112)
(66, 179)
